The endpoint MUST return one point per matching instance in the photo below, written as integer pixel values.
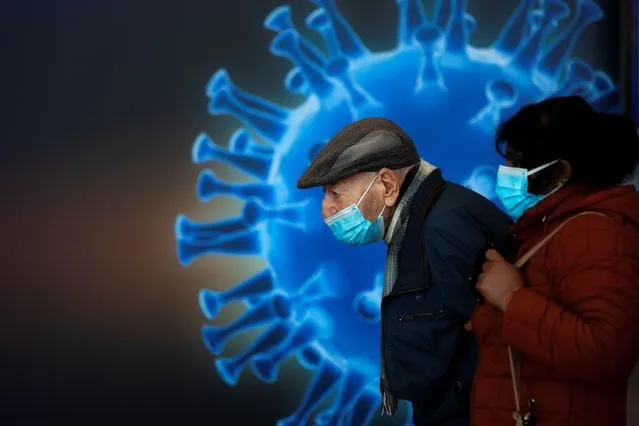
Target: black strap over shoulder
(433, 194)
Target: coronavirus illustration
(318, 300)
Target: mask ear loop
(370, 185)
(380, 213)
(542, 167)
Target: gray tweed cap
(366, 145)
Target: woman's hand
(499, 280)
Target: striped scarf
(389, 402)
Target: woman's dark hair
(602, 149)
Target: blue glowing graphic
(318, 299)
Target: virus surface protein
(319, 301)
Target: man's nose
(328, 208)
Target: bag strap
(514, 356)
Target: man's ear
(391, 183)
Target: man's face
(382, 193)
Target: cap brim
(310, 179)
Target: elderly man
(377, 187)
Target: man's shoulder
(460, 209)
(458, 194)
(459, 200)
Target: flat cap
(366, 145)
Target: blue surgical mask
(351, 227)
(511, 188)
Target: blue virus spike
(328, 375)
(230, 368)
(287, 44)
(367, 303)
(412, 16)
(365, 407)
(602, 84)
(315, 289)
(219, 81)
(319, 22)
(253, 214)
(482, 181)
(222, 81)
(268, 126)
(255, 287)
(470, 23)
(579, 79)
(245, 243)
(457, 41)
(357, 97)
(209, 186)
(416, 84)
(255, 164)
(501, 95)
(280, 20)
(295, 82)
(554, 58)
(311, 356)
(354, 379)
(512, 34)
(313, 327)
(187, 229)
(528, 53)
(433, 44)
(242, 142)
(291, 215)
(535, 18)
(442, 14)
(275, 308)
(607, 103)
(347, 39)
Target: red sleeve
(590, 329)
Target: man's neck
(391, 223)
(408, 178)
(410, 175)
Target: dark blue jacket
(428, 356)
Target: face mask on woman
(511, 188)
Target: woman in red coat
(570, 314)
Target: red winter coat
(576, 323)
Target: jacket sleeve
(589, 330)
(452, 246)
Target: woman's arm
(591, 328)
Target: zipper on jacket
(411, 317)
(411, 290)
